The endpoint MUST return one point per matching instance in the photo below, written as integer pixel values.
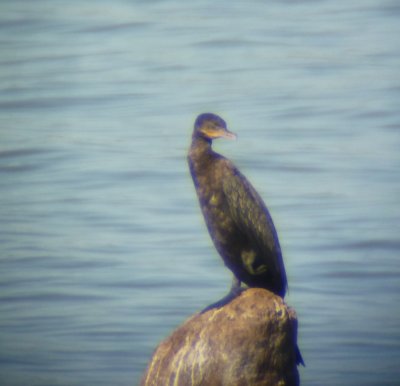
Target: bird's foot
(233, 293)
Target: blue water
(103, 251)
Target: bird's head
(210, 126)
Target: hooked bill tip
(230, 135)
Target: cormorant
(237, 219)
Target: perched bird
(237, 219)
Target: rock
(250, 341)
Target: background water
(103, 250)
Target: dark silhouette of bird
(237, 218)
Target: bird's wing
(252, 217)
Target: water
(103, 251)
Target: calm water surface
(103, 251)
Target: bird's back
(239, 224)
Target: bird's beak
(219, 132)
(228, 134)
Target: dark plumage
(237, 218)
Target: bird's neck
(200, 157)
(200, 148)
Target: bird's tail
(299, 358)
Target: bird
(237, 218)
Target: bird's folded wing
(252, 217)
